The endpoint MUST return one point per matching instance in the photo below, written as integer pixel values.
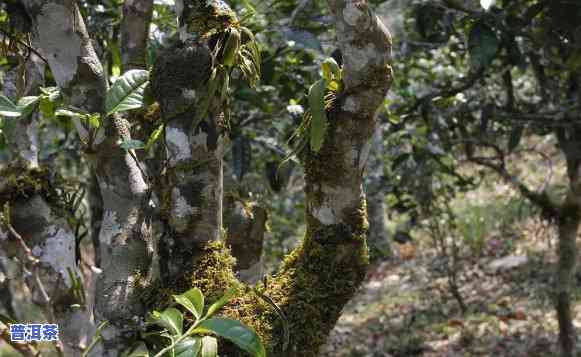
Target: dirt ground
(405, 307)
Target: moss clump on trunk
(178, 72)
(207, 17)
(21, 182)
(316, 281)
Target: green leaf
(319, 120)
(93, 119)
(154, 137)
(116, 64)
(221, 302)
(209, 346)
(171, 318)
(51, 93)
(132, 144)
(188, 347)
(68, 113)
(248, 6)
(331, 70)
(127, 91)
(482, 45)
(236, 332)
(193, 300)
(26, 104)
(334, 86)
(47, 107)
(9, 109)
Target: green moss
(376, 77)
(181, 69)
(208, 18)
(316, 281)
(326, 165)
(20, 182)
(213, 272)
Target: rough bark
(125, 238)
(317, 279)
(324, 272)
(96, 208)
(34, 228)
(192, 197)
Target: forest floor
(505, 276)
(405, 308)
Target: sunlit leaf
(8, 108)
(209, 346)
(193, 300)
(132, 144)
(319, 121)
(229, 294)
(27, 104)
(127, 92)
(52, 93)
(67, 113)
(189, 347)
(171, 318)
(94, 120)
(154, 137)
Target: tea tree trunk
(316, 280)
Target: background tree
(485, 111)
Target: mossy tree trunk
(316, 280)
(125, 235)
(33, 223)
(320, 276)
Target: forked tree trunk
(34, 227)
(317, 279)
